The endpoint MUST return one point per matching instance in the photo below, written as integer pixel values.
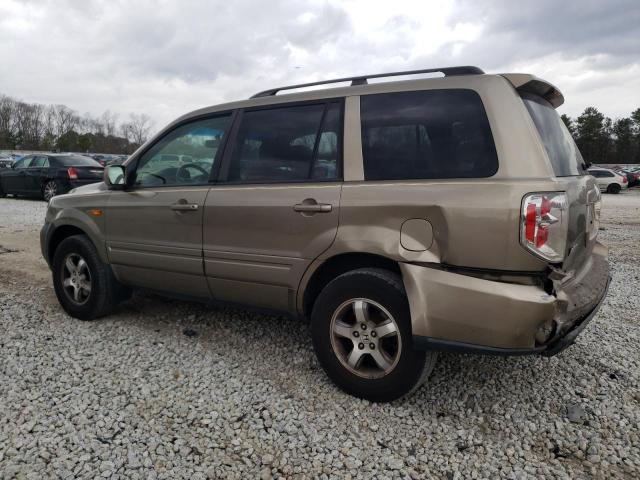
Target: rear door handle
(185, 207)
(313, 207)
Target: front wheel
(614, 188)
(86, 288)
(361, 329)
(49, 190)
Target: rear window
(426, 134)
(76, 161)
(563, 153)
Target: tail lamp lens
(544, 223)
(73, 173)
(624, 179)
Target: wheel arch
(66, 230)
(325, 270)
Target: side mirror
(114, 176)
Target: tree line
(33, 126)
(602, 140)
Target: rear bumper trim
(553, 348)
(569, 337)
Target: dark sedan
(46, 176)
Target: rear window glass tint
(563, 152)
(426, 134)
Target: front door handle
(184, 207)
(313, 207)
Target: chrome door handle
(313, 207)
(185, 207)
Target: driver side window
(184, 156)
(23, 163)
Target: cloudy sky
(168, 57)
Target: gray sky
(168, 57)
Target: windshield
(562, 150)
(77, 161)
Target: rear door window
(563, 152)
(40, 162)
(288, 144)
(426, 134)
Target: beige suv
(401, 218)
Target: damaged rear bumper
(462, 313)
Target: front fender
(84, 212)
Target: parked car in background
(101, 159)
(608, 180)
(399, 217)
(5, 161)
(117, 159)
(48, 175)
(633, 177)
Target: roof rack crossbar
(362, 79)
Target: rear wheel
(85, 286)
(361, 331)
(614, 188)
(49, 190)
(2, 192)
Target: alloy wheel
(365, 338)
(50, 190)
(76, 279)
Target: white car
(608, 180)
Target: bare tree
(65, 120)
(139, 127)
(109, 121)
(35, 126)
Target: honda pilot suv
(402, 219)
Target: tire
(381, 294)
(614, 188)
(50, 189)
(2, 192)
(104, 291)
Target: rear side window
(288, 144)
(600, 173)
(426, 134)
(563, 153)
(40, 162)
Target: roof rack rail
(362, 79)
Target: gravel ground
(168, 389)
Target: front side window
(23, 163)
(287, 144)
(185, 156)
(426, 134)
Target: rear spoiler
(523, 82)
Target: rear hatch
(570, 169)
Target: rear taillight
(73, 173)
(543, 229)
(624, 179)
